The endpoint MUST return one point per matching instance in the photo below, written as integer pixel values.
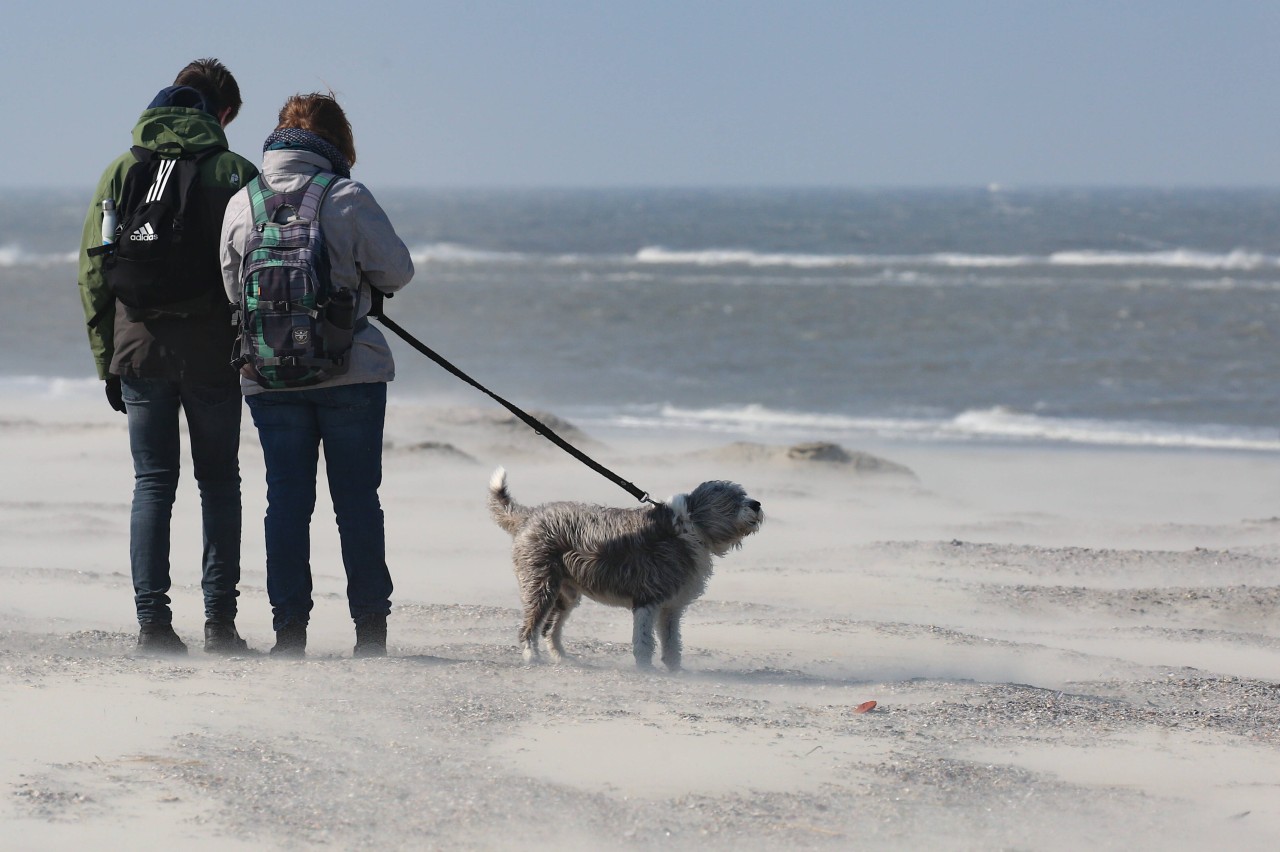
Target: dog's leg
(551, 620)
(551, 632)
(538, 604)
(554, 628)
(669, 635)
(642, 635)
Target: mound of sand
(479, 432)
(807, 454)
(435, 449)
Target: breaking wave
(975, 425)
(454, 254)
(1238, 259)
(15, 255)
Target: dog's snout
(753, 505)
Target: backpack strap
(102, 312)
(295, 361)
(286, 305)
(317, 189)
(314, 193)
(259, 194)
(173, 151)
(188, 174)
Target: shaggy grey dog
(655, 561)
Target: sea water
(1105, 317)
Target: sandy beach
(1068, 648)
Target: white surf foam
(15, 255)
(445, 253)
(1003, 423)
(977, 425)
(452, 253)
(1237, 260)
(1177, 259)
(50, 387)
(744, 257)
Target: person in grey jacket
(346, 412)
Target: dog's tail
(506, 512)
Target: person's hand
(114, 395)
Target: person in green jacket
(157, 364)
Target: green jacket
(196, 348)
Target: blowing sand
(1068, 649)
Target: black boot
(220, 637)
(159, 640)
(371, 636)
(291, 641)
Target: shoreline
(748, 422)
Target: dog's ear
(679, 506)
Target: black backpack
(164, 261)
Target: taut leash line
(537, 425)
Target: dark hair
(211, 78)
(321, 115)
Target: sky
(683, 93)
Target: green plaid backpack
(295, 329)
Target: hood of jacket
(288, 169)
(188, 128)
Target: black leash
(537, 425)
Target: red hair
(321, 115)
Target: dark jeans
(292, 425)
(213, 424)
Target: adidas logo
(145, 234)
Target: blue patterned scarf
(305, 140)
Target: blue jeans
(213, 423)
(292, 425)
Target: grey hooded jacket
(363, 248)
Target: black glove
(114, 394)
